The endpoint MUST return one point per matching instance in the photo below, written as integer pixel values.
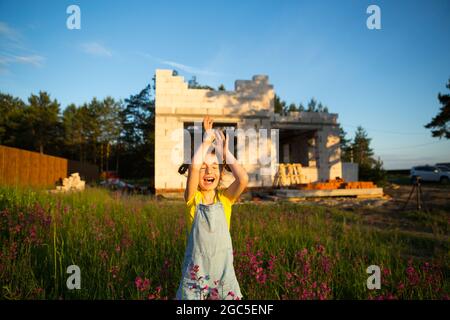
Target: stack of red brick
(359, 185)
(338, 184)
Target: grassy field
(131, 247)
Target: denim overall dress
(208, 271)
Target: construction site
(301, 157)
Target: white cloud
(34, 60)
(183, 67)
(189, 69)
(9, 33)
(13, 51)
(96, 49)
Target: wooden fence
(26, 168)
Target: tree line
(119, 135)
(115, 135)
(313, 105)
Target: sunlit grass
(282, 250)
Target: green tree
(11, 113)
(93, 129)
(301, 107)
(362, 152)
(79, 123)
(193, 84)
(137, 141)
(87, 122)
(292, 107)
(279, 105)
(221, 88)
(42, 120)
(440, 124)
(312, 105)
(370, 169)
(345, 145)
(110, 127)
(73, 125)
(320, 107)
(377, 172)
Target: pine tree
(440, 123)
(345, 145)
(312, 105)
(319, 107)
(362, 153)
(279, 105)
(73, 132)
(42, 120)
(137, 141)
(292, 107)
(11, 113)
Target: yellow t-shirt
(198, 198)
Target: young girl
(208, 271)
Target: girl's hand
(221, 144)
(207, 125)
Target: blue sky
(385, 80)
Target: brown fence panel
(22, 167)
(10, 166)
(50, 168)
(2, 165)
(61, 167)
(58, 169)
(43, 171)
(35, 165)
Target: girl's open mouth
(208, 180)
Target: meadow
(132, 247)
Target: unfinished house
(267, 139)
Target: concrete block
(72, 183)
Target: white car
(430, 173)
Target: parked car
(430, 173)
(443, 167)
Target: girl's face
(209, 173)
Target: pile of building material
(299, 194)
(337, 184)
(327, 185)
(332, 188)
(293, 185)
(72, 183)
(288, 174)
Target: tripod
(418, 191)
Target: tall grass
(131, 247)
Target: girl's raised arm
(240, 175)
(197, 160)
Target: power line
(384, 131)
(413, 146)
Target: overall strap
(216, 197)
